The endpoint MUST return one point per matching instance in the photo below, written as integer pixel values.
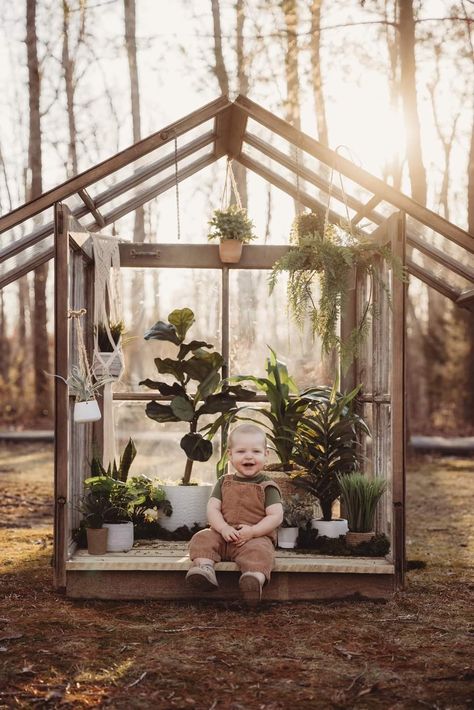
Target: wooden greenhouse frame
(394, 217)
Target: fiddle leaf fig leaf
(182, 408)
(193, 345)
(221, 402)
(182, 319)
(196, 447)
(208, 385)
(201, 366)
(160, 412)
(167, 366)
(163, 331)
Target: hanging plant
(330, 255)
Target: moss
(309, 540)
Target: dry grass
(412, 652)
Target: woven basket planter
(355, 538)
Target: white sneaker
(202, 578)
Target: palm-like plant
(326, 445)
(361, 495)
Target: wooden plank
(61, 408)
(235, 137)
(396, 227)
(466, 299)
(432, 280)
(366, 210)
(362, 177)
(221, 129)
(119, 160)
(197, 256)
(26, 267)
(282, 587)
(89, 203)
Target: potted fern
(331, 255)
(233, 228)
(360, 496)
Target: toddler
(243, 512)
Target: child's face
(248, 454)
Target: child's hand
(230, 534)
(245, 533)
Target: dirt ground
(414, 651)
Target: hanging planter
(108, 357)
(233, 227)
(230, 251)
(87, 411)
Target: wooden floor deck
(155, 570)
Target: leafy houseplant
(330, 254)
(194, 363)
(361, 496)
(296, 514)
(233, 228)
(104, 341)
(95, 506)
(326, 445)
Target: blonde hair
(246, 429)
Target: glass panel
(150, 295)
(22, 258)
(159, 454)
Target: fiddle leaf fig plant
(196, 366)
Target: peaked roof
(230, 135)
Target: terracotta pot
(97, 541)
(87, 411)
(287, 537)
(354, 538)
(230, 251)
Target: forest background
(390, 80)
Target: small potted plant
(326, 448)
(296, 514)
(360, 496)
(108, 355)
(94, 507)
(84, 389)
(233, 228)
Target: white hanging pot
(330, 528)
(287, 537)
(230, 251)
(120, 537)
(87, 411)
(189, 505)
(108, 364)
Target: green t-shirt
(272, 494)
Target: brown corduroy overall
(242, 504)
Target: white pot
(120, 537)
(189, 505)
(87, 411)
(287, 537)
(330, 528)
(106, 364)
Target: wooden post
(225, 338)
(61, 410)
(396, 232)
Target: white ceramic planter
(330, 528)
(87, 411)
(189, 505)
(120, 537)
(108, 364)
(287, 537)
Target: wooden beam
(26, 267)
(466, 299)
(120, 160)
(235, 137)
(89, 203)
(362, 177)
(196, 256)
(444, 259)
(366, 210)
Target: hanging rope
(230, 178)
(344, 195)
(83, 360)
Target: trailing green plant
(331, 254)
(231, 223)
(287, 406)
(296, 512)
(193, 363)
(103, 340)
(361, 495)
(326, 444)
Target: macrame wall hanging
(107, 312)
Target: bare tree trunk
(219, 68)
(394, 167)
(316, 76)
(409, 98)
(469, 317)
(68, 69)
(243, 84)
(40, 334)
(292, 103)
